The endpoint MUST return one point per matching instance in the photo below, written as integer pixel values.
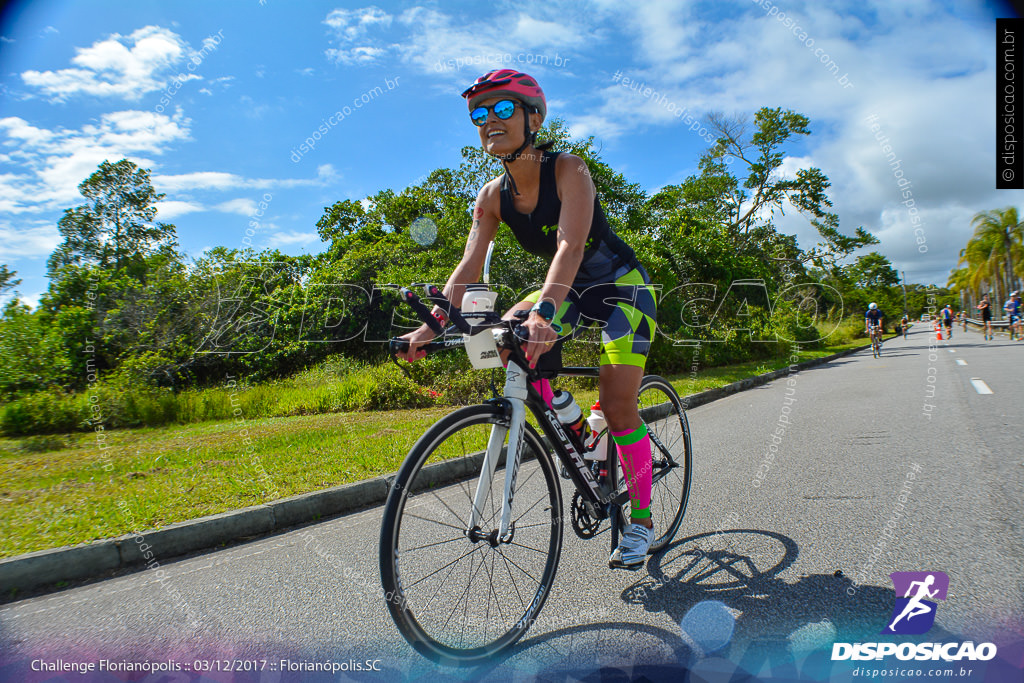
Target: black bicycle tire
(654, 381)
(397, 605)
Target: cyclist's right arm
(486, 218)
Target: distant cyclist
(904, 324)
(986, 317)
(946, 316)
(873, 322)
(1012, 310)
(963, 319)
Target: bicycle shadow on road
(609, 650)
(741, 568)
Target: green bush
(45, 412)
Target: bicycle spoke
(423, 578)
(516, 565)
(435, 521)
(536, 550)
(511, 578)
(465, 592)
(431, 545)
(454, 514)
(525, 512)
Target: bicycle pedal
(627, 567)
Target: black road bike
(472, 528)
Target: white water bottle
(569, 414)
(595, 448)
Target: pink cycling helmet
(522, 87)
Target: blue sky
(217, 97)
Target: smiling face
(504, 136)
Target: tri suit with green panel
(611, 288)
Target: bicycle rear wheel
(455, 599)
(662, 411)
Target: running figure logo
(914, 613)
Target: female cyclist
(549, 201)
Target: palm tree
(960, 282)
(982, 267)
(1003, 232)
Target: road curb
(49, 568)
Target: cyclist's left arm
(576, 192)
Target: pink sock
(543, 387)
(634, 448)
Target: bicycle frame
(517, 397)
(600, 498)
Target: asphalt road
(858, 434)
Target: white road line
(980, 386)
(952, 350)
(960, 361)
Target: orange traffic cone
(938, 333)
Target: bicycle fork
(515, 394)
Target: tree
(872, 271)
(116, 226)
(747, 207)
(1003, 232)
(7, 279)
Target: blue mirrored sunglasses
(503, 110)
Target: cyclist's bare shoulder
(570, 170)
(489, 197)
(570, 163)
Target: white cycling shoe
(632, 550)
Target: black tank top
(605, 258)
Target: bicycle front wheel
(458, 597)
(662, 411)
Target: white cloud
(532, 36)
(243, 207)
(290, 238)
(327, 173)
(31, 300)
(121, 66)
(351, 27)
(167, 210)
(353, 24)
(52, 163)
(220, 181)
(124, 66)
(34, 241)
